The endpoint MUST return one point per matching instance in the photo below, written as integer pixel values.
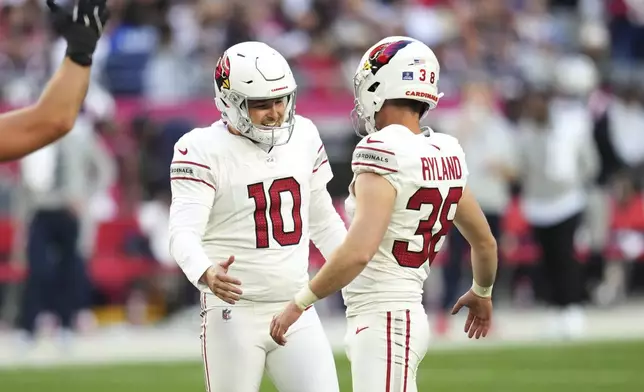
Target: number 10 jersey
(429, 174)
(259, 202)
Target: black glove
(81, 28)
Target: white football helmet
(397, 67)
(254, 71)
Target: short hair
(413, 105)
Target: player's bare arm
(53, 116)
(472, 224)
(375, 198)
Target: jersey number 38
(440, 212)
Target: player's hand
(479, 318)
(224, 286)
(81, 27)
(282, 322)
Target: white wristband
(305, 298)
(481, 291)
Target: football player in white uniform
(253, 186)
(408, 183)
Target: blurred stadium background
(152, 82)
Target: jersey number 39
(440, 212)
(273, 203)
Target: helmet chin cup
(361, 124)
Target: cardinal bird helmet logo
(222, 72)
(382, 54)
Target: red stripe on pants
(204, 348)
(388, 351)
(407, 350)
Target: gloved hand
(81, 28)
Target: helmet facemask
(366, 103)
(241, 120)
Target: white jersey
(260, 202)
(429, 173)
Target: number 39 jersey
(259, 203)
(429, 173)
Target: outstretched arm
(375, 198)
(53, 116)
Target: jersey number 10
(273, 203)
(440, 212)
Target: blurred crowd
(165, 50)
(505, 66)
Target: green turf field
(612, 367)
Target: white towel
(38, 169)
(626, 131)
(570, 124)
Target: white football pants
(385, 349)
(237, 348)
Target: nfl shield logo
(407, 75)
(225, 314)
